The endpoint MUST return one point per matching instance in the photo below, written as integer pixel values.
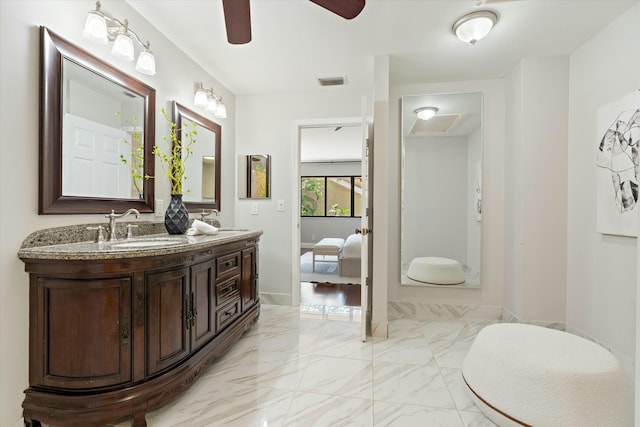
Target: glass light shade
(212, 105)
(146, 63)
(200, 99)
(95, 28)
(474, 26)
(123, 47)
(426, 113)
(221, 112)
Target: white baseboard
(275, 299)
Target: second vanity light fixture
(101, 28)
(209, 100)
(475, 25)
(426, 113)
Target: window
(331, 196)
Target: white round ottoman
(524, 375)
(436, 270)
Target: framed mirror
(441, 178)
(254, 176)
(92, 116)
(202, 169)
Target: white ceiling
(296, 41)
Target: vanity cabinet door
(202, 323)
(168, 300)
(249, 282)
(83, 332)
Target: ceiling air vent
(438, 125)
(331, 81)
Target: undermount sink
(154, 242)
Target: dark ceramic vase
(176, 218)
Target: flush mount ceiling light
(475, 25)
(101, 28)
(210, 101)
(425, 113)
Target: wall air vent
(331, 81)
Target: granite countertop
(48, 244)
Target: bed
(349, 260)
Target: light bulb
(200, 98)
(123, 47)
(474, 26)
(146, 63)
(426, 113)
(95, 28)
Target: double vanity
(119, 327)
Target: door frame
(295, 191)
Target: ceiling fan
(237, 16)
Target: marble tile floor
(306, 366)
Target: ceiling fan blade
(348, 9)
(237, 18)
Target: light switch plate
(280, 205)
(254, 209)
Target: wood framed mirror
(92, 116)
(202, 169)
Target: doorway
(329, 194)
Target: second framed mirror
(202, 188)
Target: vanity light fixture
(101, 27)
(475, 25)
(426, 113)
(210, 101)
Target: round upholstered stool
(436, 270)
(524, 375)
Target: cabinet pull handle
(125, 337)
(194, 312)
(125, 332)
(187, 312)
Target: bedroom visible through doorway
(330, 208)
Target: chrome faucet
(112, 221)
(204, 213)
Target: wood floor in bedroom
(331, 294)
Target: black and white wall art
(618, 166)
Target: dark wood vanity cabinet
(112, 338)
(82, 332)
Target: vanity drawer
(227, 290)
(228, 265)
(227, 314)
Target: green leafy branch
(180, 151)
(310, 194)
(136, 155)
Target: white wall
(601, 269)
(491, 291)
(535, 189)
(19, 70)
(267, 123)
